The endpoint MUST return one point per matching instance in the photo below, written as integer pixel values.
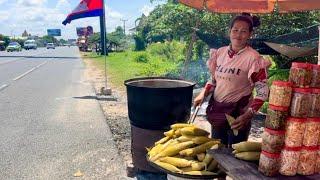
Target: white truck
(30, 44)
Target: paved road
(48, 129)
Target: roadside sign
(54, 32)
(84, 31)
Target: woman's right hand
(199, 99)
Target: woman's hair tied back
(252, 20)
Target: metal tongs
(194, 114)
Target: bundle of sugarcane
(183, 150)
(246, 150)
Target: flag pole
(104, 52)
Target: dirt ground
(116, 113)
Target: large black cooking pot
(155, 103)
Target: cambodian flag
(86, 8)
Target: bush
(158, 67)
(141, 57)
(140, 43)
(172, 51)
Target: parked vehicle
(14, 46)
(30, 44)
(50, 46)
(2, 46)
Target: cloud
(3, 1)
(64, 6)
(4, 15)
(36, 17)
(146, 9)
(31, 3)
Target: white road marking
(3, 87)
(34, 68)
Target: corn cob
(207, 159)
(212, 166)
(164, 146)
(173, 150)
(248, 156)
(201, 139)
(155, 150)
(168, 167)
(194, 131)
(178, 162)
(198, 166)
(230, 120)
(198, 149)
(201, 156)
(199, 173)
(169, 133)
(247, 146)
(163, 140)
(177, 133)
(180, 125)
(185, 138)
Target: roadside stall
(291, 137)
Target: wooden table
(243, 170)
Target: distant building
(25, 34)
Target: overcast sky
(36, 16)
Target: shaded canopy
(253, 6)
(303, 42)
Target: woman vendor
(236, 70)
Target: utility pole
(124, 25)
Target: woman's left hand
(242, 121)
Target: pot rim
(141, 79)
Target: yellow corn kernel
(201, 139)
(185, 138)
(198, 166)
(247, 146)
(163, 140)
(155, 150)
(248, 156)
(177, 133)
(173, 150)
(198, 149)
(169, 133)
(168, 167)
(177, 162)
(194, 131)
(180, 125)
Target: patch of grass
(122, 66)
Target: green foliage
(158, 67)
(49, 39)
(168, 51)
(141, 57)
(140, 43)
(6, 39)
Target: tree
(6, 39)
(49, 39)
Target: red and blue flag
(86, 8)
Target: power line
(124, 25)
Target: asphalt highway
(49, 129)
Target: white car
(30, 44)
(50, 46)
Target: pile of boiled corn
(183, 150)
(246, 150)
